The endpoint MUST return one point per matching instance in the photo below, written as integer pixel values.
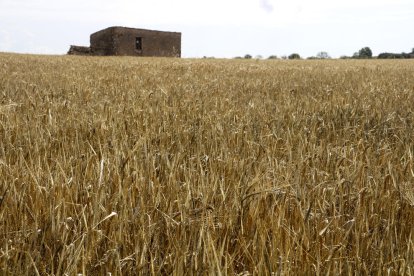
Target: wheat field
(152, 166)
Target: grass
(228, 167)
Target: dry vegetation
(160, 166)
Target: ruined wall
(79, 50)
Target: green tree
(294, 56)
(247, 56)
(365, 53)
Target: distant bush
(323, 55)
(395, 56)
(387, 55)
(320, 55)
(272, 57)
(365, 52)
(294, 56)
(247, 56)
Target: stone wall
(122, 41)
(102, 42)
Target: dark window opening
(138, 43)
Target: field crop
(179, 166)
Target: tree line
(363, 53)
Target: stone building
(122, 41)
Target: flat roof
(135, 29)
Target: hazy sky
(220, 28)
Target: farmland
(185, 166)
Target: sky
(219, 28)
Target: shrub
(294, 56)
(364, 53)
(323, 55)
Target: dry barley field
(145, 166)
